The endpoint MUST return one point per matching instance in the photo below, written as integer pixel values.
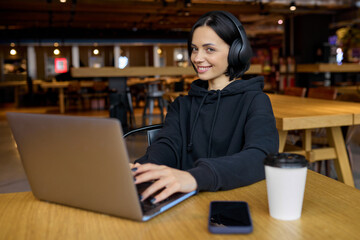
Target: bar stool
(153, 93)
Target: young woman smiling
(217, 137)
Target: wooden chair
(100, 95)
(97, 96)
(323, 93)
(137, 140)
(295, 91)
(73, 94)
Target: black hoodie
(220, 137)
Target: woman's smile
(203, 69)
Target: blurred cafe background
(128, 59)
(291, 40)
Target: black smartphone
(230, 217)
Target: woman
(217, 137)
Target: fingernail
(134, 169)
(140, 197)
(134, 179)
(152, 200)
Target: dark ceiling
(41, 19)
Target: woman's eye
(210, 50)
(194, 49)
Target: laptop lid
(77, 161)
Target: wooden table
(331, 210)
(61, 86)
(295, 113)
(17, 85)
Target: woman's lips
(203, 69)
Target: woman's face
(209, 54)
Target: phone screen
(229, 217)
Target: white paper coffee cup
(285, 180)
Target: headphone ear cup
(240, 54)
(246, 51)
(235, 53)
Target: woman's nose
(198, 57)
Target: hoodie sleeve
(166, 148)
(245, 167)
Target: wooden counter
(327, 67)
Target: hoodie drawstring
(190, 145)
(213, 122)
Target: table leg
(282, 140)
(61, 100)
(342, 164)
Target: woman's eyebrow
(204, 45)
(208, 44)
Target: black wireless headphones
(240, 50)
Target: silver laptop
(81, 162)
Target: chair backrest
(323, 93)
(99, 86)
(295, 91)
(74, 86)
(137, 140)
(151, 134)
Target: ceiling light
(179, 56)
(12, 44)
(56, 51)
(96, 51)
(13, 52)
(56, 44)
(63, 1)
(280, 21)
(292, 6)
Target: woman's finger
(152, 174)
(164, 194)
(153, 188)
(147, 167)
(133, 167)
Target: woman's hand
(172, 180)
